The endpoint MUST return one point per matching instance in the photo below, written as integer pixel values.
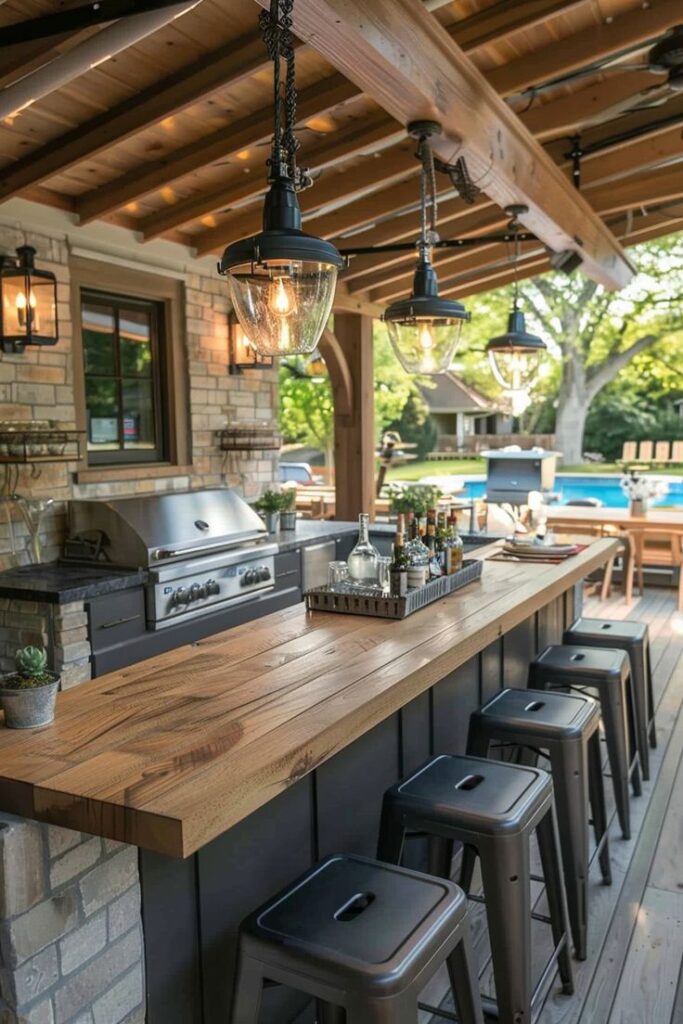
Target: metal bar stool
(567, 727)
(494, 808)
(566, 668)
(363, 939)
(632, 637)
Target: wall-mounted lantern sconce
(242, 355)
(28, 302)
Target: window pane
(101, 399)
(135, 331)
(139, 431)
(98, 339)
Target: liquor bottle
(435, 569)
(363, 562)
(442, 546)
(398, 570)
(455, 543)
(418, 557)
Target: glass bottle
(455, 544)
(435, 569)
(398, 570)
(418, 557)
(363, 560)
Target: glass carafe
(363, 562)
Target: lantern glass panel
(283, 307)
(425, 345)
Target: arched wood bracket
(339, 371)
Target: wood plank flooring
(633, 971)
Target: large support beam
(409, 64)
(354, 433)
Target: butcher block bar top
(172, 752)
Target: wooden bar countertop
(172, 752)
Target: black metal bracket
(442, 243)
(96, 13)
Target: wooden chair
(677, 451)
(646, 451)
(629, 451)
(663, 451)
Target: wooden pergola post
(354, 430)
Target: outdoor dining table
(657, 523)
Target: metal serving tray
(372, 602)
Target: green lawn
(466, 467)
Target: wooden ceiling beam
(336, 148)
(503, 19)
(223, 144)
(227, 65)
(360, 181)
(406, 61)
(589, 46)
(654, 188)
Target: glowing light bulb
(426, 337)
(282, 298)
(21, 305)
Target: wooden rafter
(653, 189)
(407, 62)
(229, 64)
(334, 149)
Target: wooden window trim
(102, 276)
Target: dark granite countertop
(311, 531)
(61, 582)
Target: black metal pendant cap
(424, 302)
(517, 337)
(282, 239)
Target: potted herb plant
(418, 498)
(28, 695)
(269, 506)
(288, 510)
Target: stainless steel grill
(203, 549)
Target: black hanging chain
(428, 232)
(276, 29)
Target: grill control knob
(197, 592)
(249, 578)
(212, 588)
(264, 573)
(181, 596)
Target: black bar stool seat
(493, 808)
(360, 937)
(634, 638)
(567, 727)
(565, 667)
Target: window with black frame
(124, 374)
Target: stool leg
(362, 1010)
(554, 890)
(391, 835)
(328, 1013)
(467, 866)
(640, 702)
(462, 971)
(616, 735)
(651, 695)
(440, 856)
(597, 800)
(505, 871)
(246, 1000)
(632, 718)
(569, 763)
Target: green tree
(306, 407)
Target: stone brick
(27, 934)
(39, 1013)
(109, 880)
(29, 981)
(121, 999)
(22, 871)
(77, 992)
(60, 840)
(75, 862)
(124, 913)
(83, 943)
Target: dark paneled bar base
(192, 908)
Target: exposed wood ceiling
(169, 136)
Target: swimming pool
(606, 488)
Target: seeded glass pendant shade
(282, 281)
(516, 355)
(424, 329)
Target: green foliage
(416, 426)
(276, 501)
(306, 411)
(31, 663)
(418, 499)
(393, 386)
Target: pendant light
(424, 329)
(282, 281)
(516, 355)
(28, 302)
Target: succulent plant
(32, 671)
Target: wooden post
(354, 431)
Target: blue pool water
(606, 488)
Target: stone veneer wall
(71, 944)
(39, 385)
(70, 928)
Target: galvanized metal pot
(30, 708)
(272, 521)
(288, 520)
